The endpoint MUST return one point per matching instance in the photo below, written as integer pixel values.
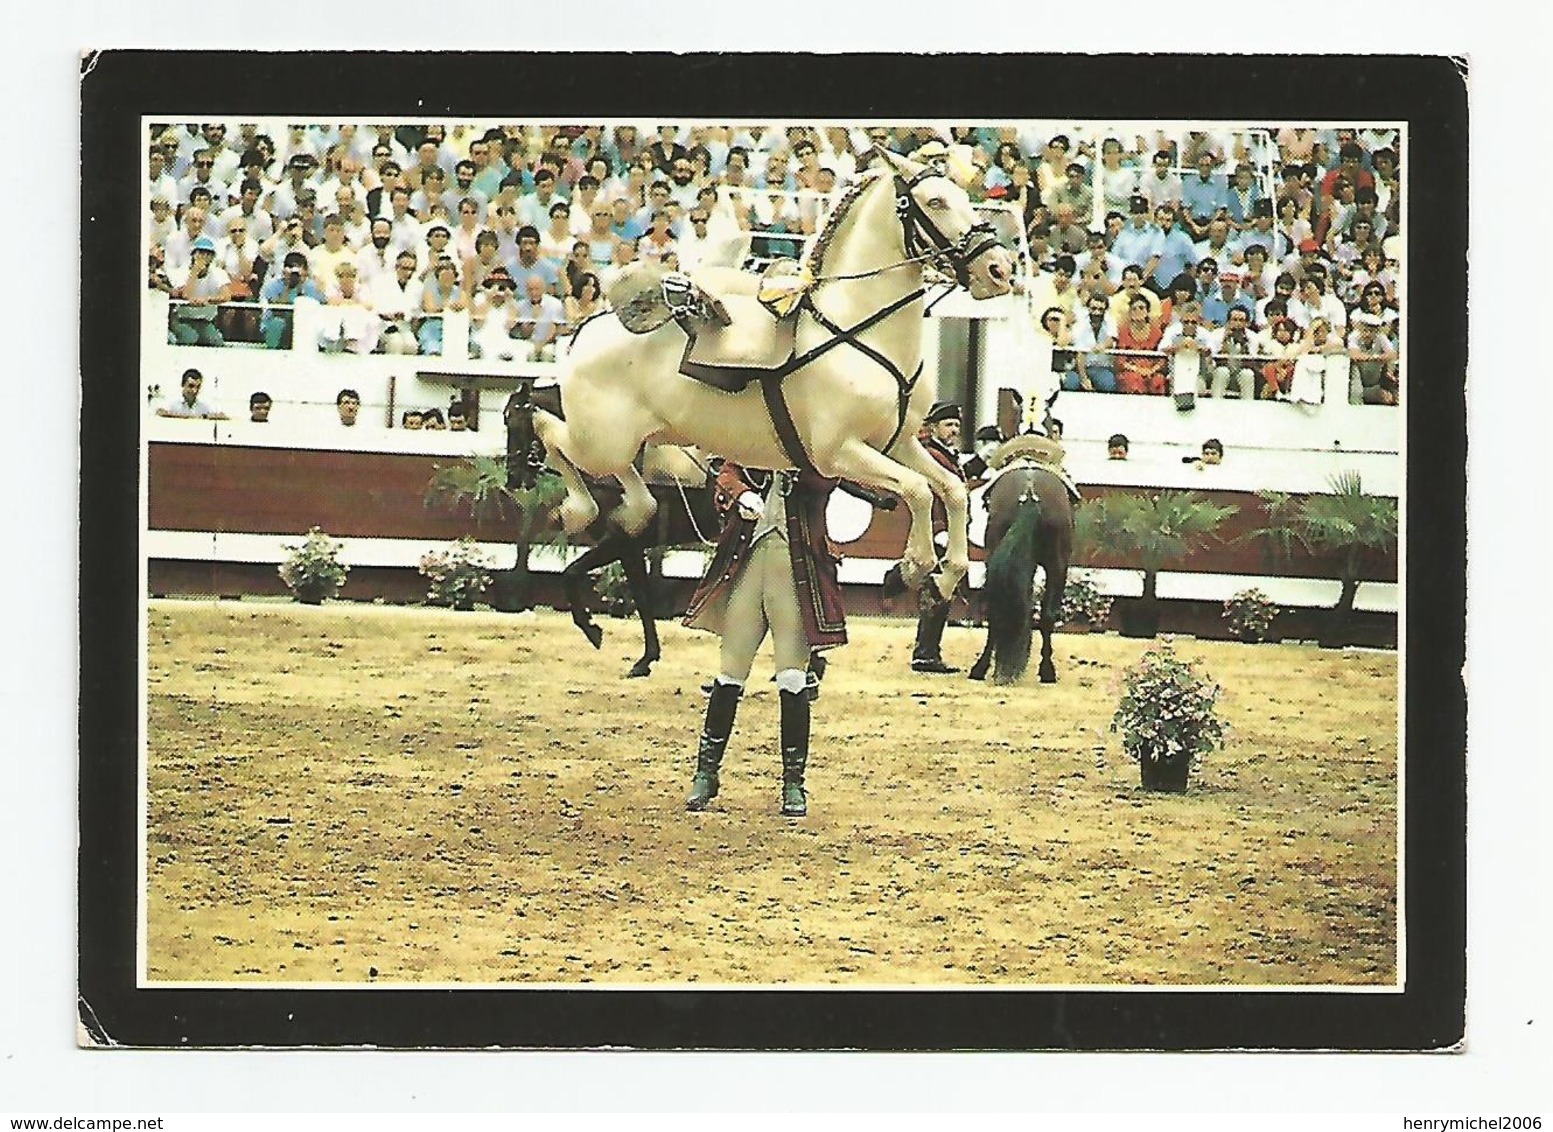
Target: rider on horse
(774, 569)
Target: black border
(1429, 93)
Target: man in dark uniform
(773, 572)
(941, 438)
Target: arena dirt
(365, 794)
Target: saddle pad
(753, 340)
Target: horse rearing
(1029, 524)
(855, 393)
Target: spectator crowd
(1251, 248)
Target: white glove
(751, 506)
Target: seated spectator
(397, 300)
(163, 224)
(441, 293)
(350, 325)
(201, 288)
(322, 260)
(1284, 349)
(1181, 291)
(259, 405)
(1244, 197)
(1203, 196)
(659, 241)
(1093, 337)
(540, 315)
(1373, 363)
(188, 403)
(1161, 185)
(586, 300)
(257, 222)
(348, 404)
(1140, 242)
(494, 319)
(1117, 447)
(410, 419)
(1218, 244)
(1132, 288)
(1099, 272)
(280, 294)
(1139, 368)
(179, 247)
(1187, 336)
(1372, 274)
(1283, 295)
(432, 421)
(529, 264)
(1234, 354)
(1055, 291)
(1314, 302)
(1260, 275)
(1175, 252)
(555, 242)
(1217, 305)
(1373, 300)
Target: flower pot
(311, 594)
(1075, 627)
(1165, 774)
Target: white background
(40, 1070)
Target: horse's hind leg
(979, 669)
(635, 566)
(572, 581)
(1051, 606)
(579, 509)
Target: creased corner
(89, 62)
(89, 1028)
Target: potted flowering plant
(1249, 613)
(1084, 608)
(1167, 718)
(458, 574)
(312, 569)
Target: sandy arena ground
(361, 794)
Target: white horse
(855, 392)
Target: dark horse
(1029, 524)
(684, 516)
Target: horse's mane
(836, 215)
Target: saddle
(738, 325)
(1038, 451)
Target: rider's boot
(720, 709)
(795, 752)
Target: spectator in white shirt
(396, 296)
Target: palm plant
(1151, 532)
(477, 485)
(1342, 524)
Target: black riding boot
(795, 753)
(926, 655)
(720, 709)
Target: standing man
(942, 441)
(773, 570)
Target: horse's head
(525, 451)
(936, 216)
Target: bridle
(926, 242)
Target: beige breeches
(763, 598)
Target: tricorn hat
(943, 411)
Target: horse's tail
(1007, 592)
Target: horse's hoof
(977, 674)
(1048, 677)
(594, 634)
(640, 668)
